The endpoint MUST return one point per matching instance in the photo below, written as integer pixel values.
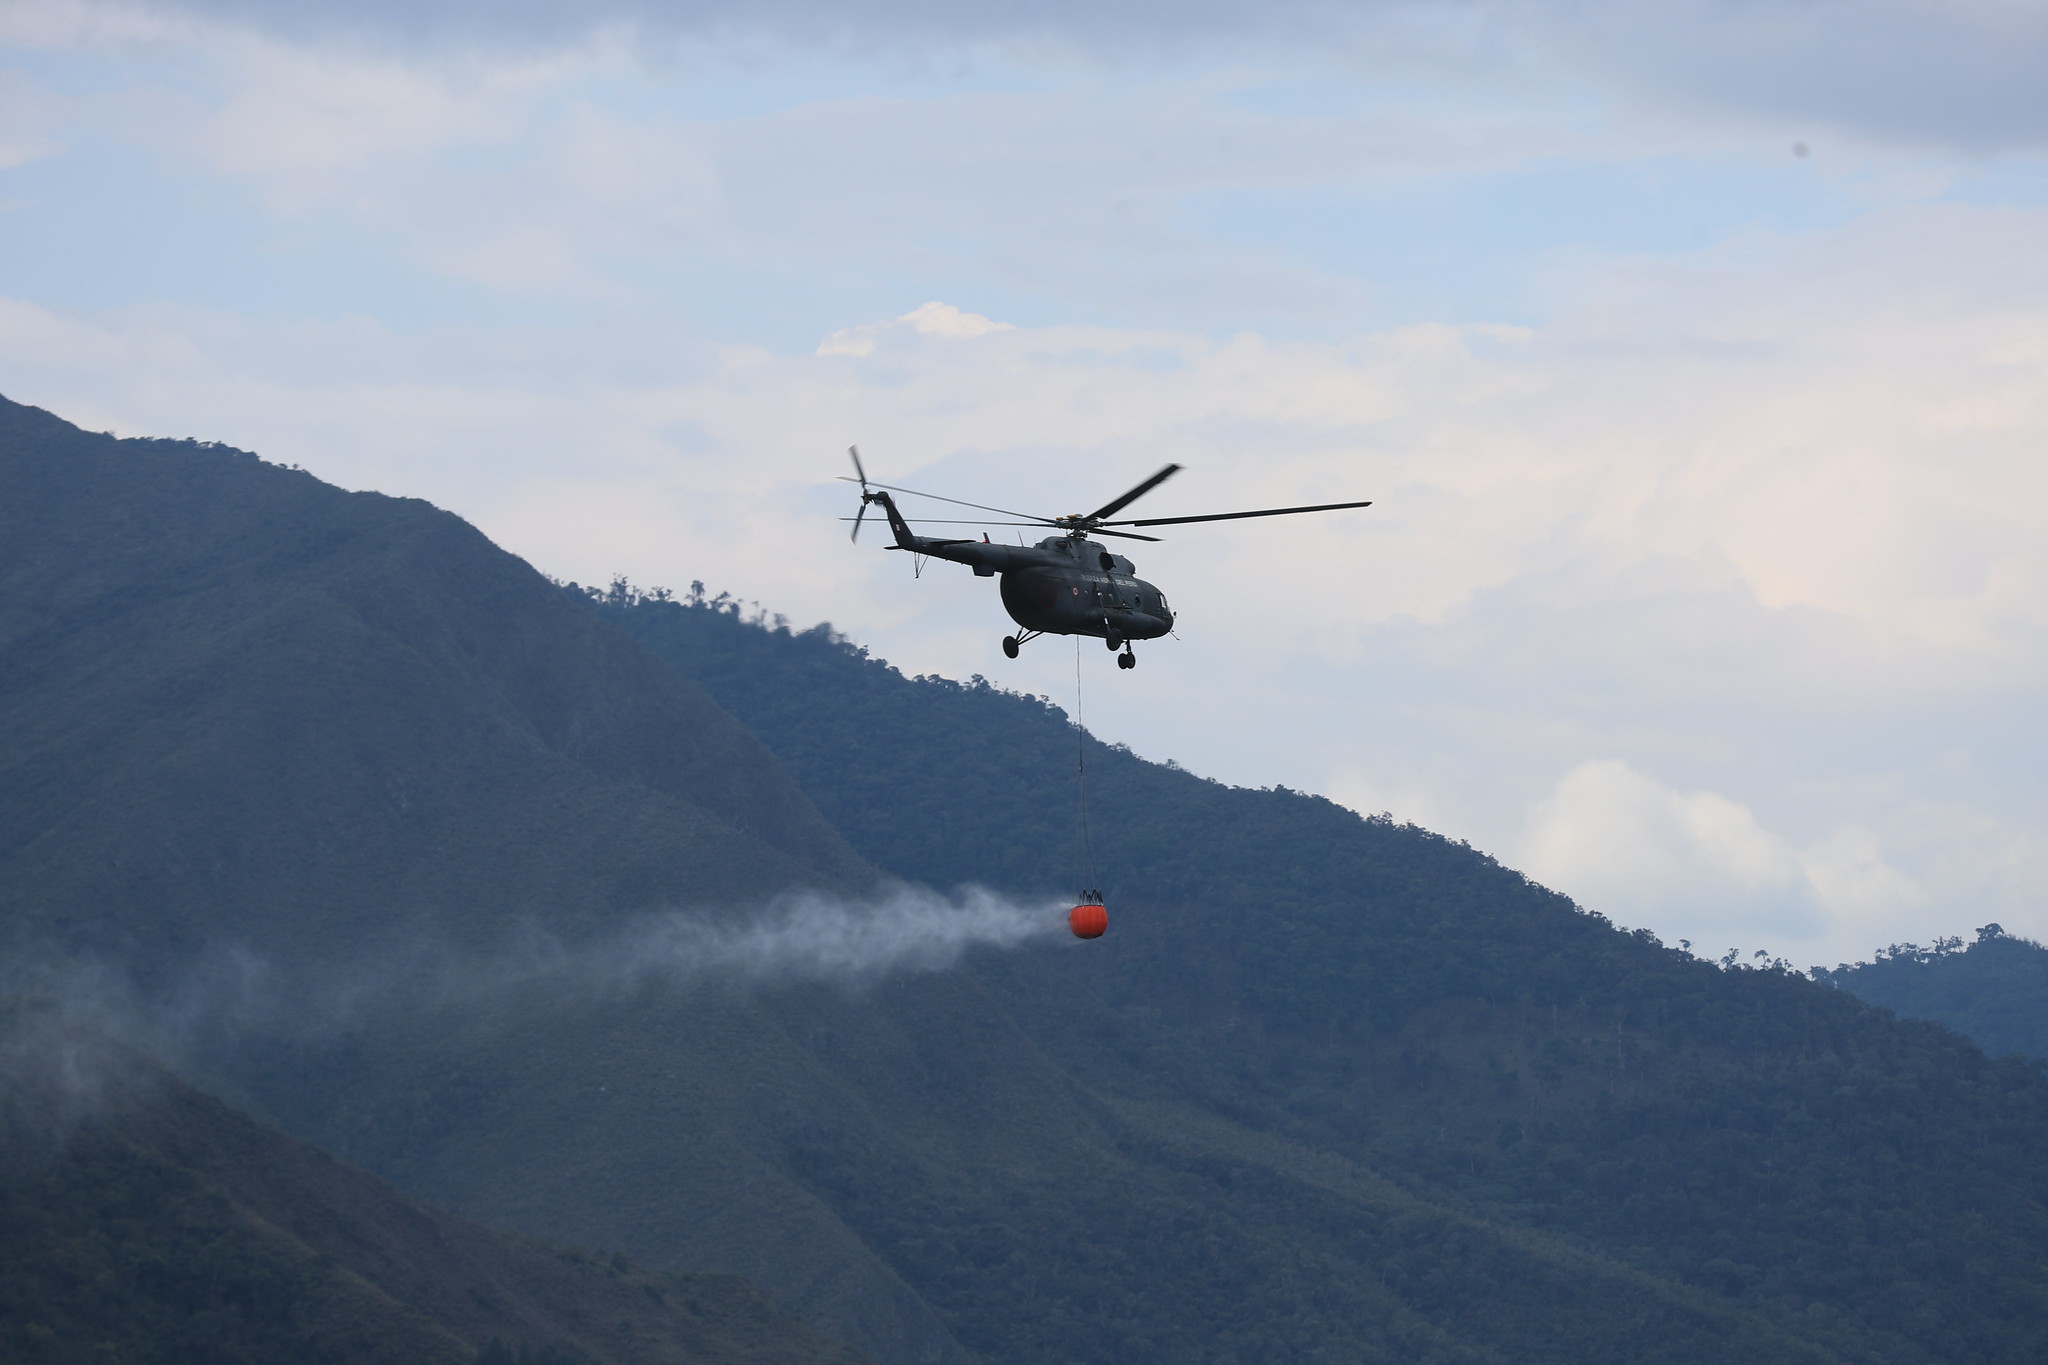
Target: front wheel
(1126, 661)
(1010, 646)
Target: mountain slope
(1383, 996)
(1331, 1089)
(242, 706)
(266, 747)
(143, 1221)
(1041, 1218)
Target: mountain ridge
(1994, 991)
(231, 688)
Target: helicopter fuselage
(1068, 597)
(1063, 585)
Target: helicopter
(1066, 584)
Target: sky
(1692, 352)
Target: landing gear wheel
(1010, 646)
(1127, 660)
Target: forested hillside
(1331, 1089)
(1379, 994)
(1994, 991)
(281, 762)
(241, 705)
(143, 1222)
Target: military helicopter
(1066, 584)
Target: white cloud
(933, 319)
(1850, 876)
(1700, 865)
(1645, 854)
(944, 320)
(1914, 71)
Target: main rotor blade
(1234, 516)
(1109, 509)
(944, 521)
(940, 521)
(1035, 521)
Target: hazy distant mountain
(141, 1221)
(1994, 992)
(1330, 1090)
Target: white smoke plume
(800, 936)
(811, 936)
(54, 1009)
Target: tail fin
(904, 539)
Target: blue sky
(1693, 352)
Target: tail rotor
(865, 496)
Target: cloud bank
(1691, 454)
(1701, 864)
(1917, 71)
